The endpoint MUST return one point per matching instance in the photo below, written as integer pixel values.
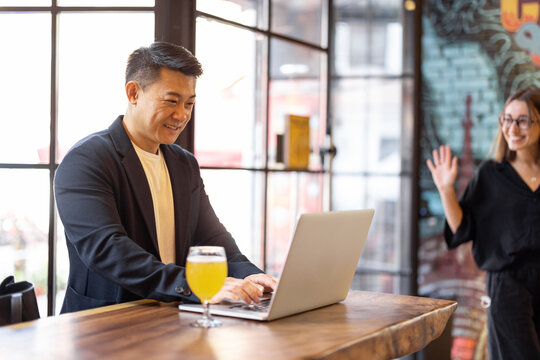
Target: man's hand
(267, 281)
(248, 290)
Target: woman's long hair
(531, 96)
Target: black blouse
(501, 215)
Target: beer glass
(206, 270)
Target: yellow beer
(206, 275)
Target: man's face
(162, 111)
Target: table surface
(366, 325)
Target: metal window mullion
(415, 181)
(267, 33)
(51, 269)
(23, 166)
(266, 142)
(74, 8)
(329, 71)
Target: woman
(500, 212)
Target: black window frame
(175, 22)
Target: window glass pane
(369, 37)
(385, 245)
(367, 125)
(297, 87)
(24, 228)
(230, 111)
(25, 73)
(289, 195)
(92, 67)
(302, 19)
(106, 3)
(247, 12)
(236, 197)
(25, 3)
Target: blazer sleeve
(85, 187)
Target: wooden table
(365, 326)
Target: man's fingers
(268, 282)
(237, 289)
(219, 297)
(230, 294)
(255, 291)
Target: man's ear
(132, 91)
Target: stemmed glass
(206, 270)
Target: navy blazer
(105, 205)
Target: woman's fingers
(454, 163)
(430, 165)
(441, 157)
(447, 154)
(436, 157)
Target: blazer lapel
(136, 176)
(141, 191)
(181, 187)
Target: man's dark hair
(145, 63)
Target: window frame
(175, 22)
(54, 10)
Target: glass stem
(206, 310)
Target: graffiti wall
(474, 54)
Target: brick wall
(460, 104)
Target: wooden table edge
(345, 350)
(84, 313)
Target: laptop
(318, 270)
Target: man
(132, 202)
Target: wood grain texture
(365, 326)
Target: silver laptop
(318, 270)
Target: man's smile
(171, 127)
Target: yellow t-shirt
(158, 178)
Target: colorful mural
(474, 54)
(522, 19)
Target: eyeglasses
(523, 122)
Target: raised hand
(443, 168)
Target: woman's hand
(443, 168)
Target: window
(66, 82)
(255, 76)
(263, 60)
(372, 95)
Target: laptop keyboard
(261, 306)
